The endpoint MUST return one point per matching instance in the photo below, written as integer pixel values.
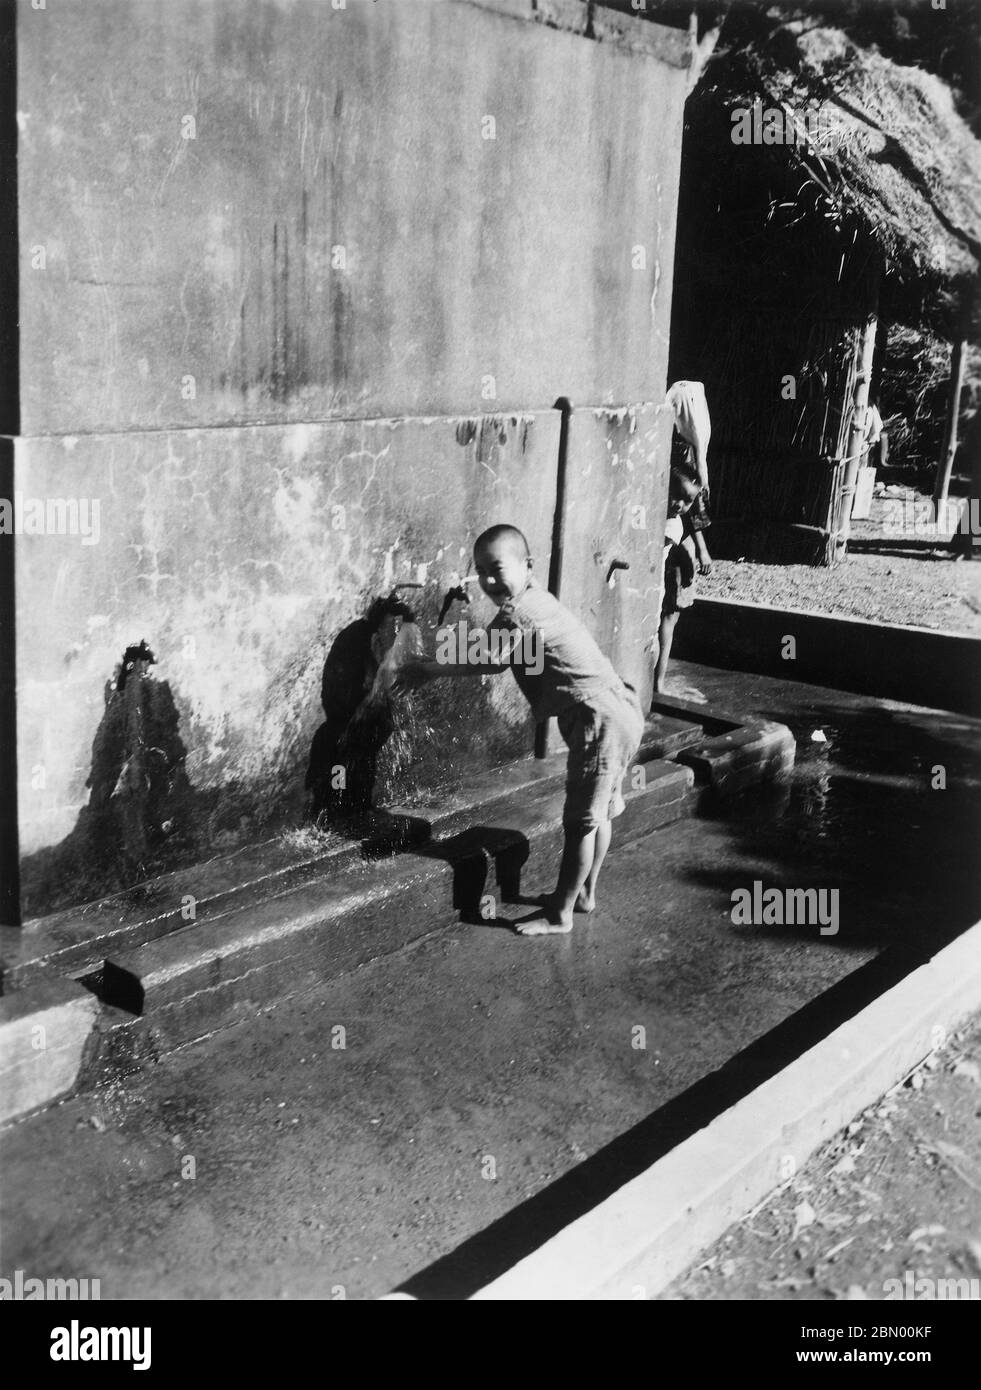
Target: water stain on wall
(142, 810)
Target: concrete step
(295, 923)
(188, 984)
(79, 938)
(669, 736)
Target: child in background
(679, 565)
(694, 428)
(599, 715)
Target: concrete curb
(634, 1243)
(731, 762)
(916, 665)
(44, 1039)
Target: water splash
(373, 723)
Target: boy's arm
(425, 669)
(435, 669)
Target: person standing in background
(876, 442)
(694, 426)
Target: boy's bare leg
(586, 901)
(702, 552)
(556, 913)
(665, 637)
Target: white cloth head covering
(691, 417)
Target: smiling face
(503, 568)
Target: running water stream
(372, 722)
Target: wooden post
(946, 463)
(855, 447)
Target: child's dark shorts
(603, 738)
(677, 595)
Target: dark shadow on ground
(909, 550)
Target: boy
(679, 566)
(599, 715)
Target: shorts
(676, 594)
(603, 737)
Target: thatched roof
(890, 149)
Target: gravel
(904, 580)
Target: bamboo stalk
(945, 466)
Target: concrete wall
(466, 258)
(617, 480)
(198, 356)
(941, 670)
(241, 555)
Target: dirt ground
(896, 1196)
(899, 579)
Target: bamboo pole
(945, 464)
(855, 446)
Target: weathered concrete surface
(941, 670)
(479, 273)
(188, 984)
(731, 762)
(321, 1168)
(242, 556)
(635, 1242)
(318, 1167)
(615, 505)
(78, 938)
(44, 1033)
(238, 224)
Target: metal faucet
(391, 607)
(611, 573)
(458, 594)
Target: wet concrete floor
(478, 1068)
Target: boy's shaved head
(503, 564)
(510, 535)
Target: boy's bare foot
(548, 922)
(584, 903)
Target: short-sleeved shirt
(574, 670)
